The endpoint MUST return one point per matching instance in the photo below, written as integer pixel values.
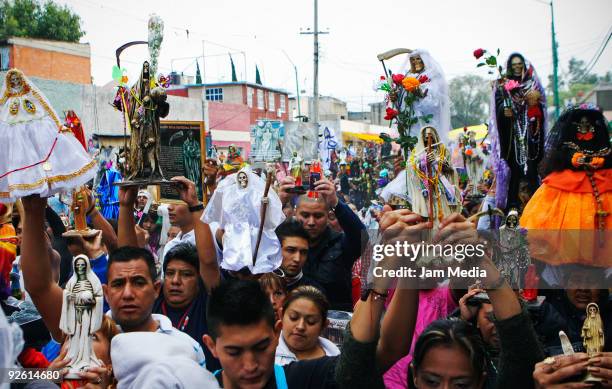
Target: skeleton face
(517, 66)
(511, 221)
(416, 64)
(80, 267)
(592, 311)
(430, 132)
(243, 180)
(585, 126)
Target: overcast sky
(358, 31)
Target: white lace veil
(438, 96)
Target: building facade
(50, 60)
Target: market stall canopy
(481, 132)
(348, 136)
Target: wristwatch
(196, 208)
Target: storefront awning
(481, 132)
(348, 136)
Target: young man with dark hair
(244, 337)
(331, 254)
(294, 249)
(183, 296)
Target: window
(272, 105)
(214, 94)
(282, 105)
(4, 58)
(249, 97)
(260, 99)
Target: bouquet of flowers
(401, 94)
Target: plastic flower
(391, 113)
(397, 78)
(423, 78)
(479, 53)
(410, 84)
(469, 152)
(510, 85)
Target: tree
(469, 95)
(33, 19)
(575, 83)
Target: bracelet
(196, 208)
(375, 295)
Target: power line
(591, 64)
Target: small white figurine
(82, 313)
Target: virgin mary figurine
(38, 155)
(81, 316)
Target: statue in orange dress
(568, 218)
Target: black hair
(237, 302)
(559, 155)
(509, 62)
(291, 228)
(309, 293)
(450, 333)
(185, 252)
(130, 253)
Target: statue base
(144, 182)
(88, 233)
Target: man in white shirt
(180, 216)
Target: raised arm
(36, 265)
(127, 225)
(209, 269)
(400, 319)
(98, 222)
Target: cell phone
(314, 177)
(478, 299)
(298, 189)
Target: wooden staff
(264, 208)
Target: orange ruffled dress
(561, 219)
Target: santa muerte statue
(568, 217)
(419, 99)
(516, 126)
(143, 105)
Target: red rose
(465, 129)
(391, 113)
(478, 53)
(423, 78)
(397, 78)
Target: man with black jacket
(331, 254)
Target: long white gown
(37, 154)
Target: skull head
(243, 180)
(80, 267)
(512, 219)
(416, 64)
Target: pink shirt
(434, 304)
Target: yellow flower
(410, 83)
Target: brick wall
(51, 65)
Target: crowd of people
(183, 304)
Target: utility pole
(297, 85)
(555, 62)
(204, 101)
(315, 88)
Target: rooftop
(237, 83)
(78, 49)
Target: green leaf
(498, 51)
(480, 64)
